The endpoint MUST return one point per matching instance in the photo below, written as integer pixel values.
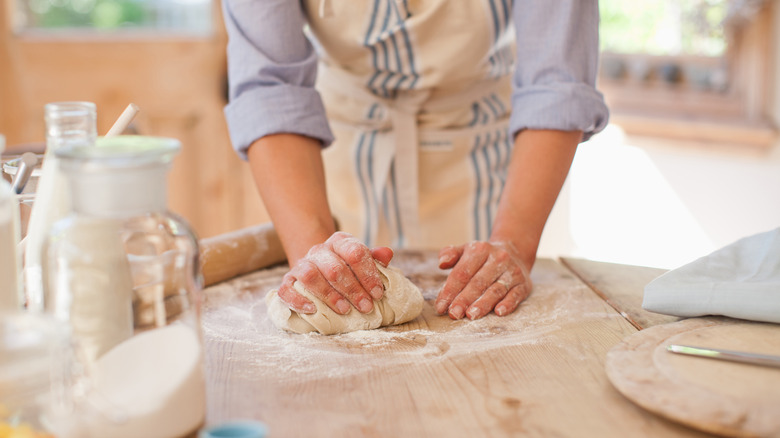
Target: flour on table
(402, 302)
(236, 323)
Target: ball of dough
(401, 302)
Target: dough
(401, 302)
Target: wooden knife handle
(239, 252)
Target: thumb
(383, 255)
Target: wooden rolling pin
(239, 252)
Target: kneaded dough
(401, 302)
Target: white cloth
(741, 280)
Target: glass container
(10, 286)
(67, 123)
(25, 199)
(123, 272)
(36, 377)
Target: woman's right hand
(340, 272)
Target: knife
(729, 355)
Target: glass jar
(124, 272)
(67, 123)
(36, 377)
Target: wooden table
(538, 372)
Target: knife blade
(728, 355)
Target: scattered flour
(235, 321)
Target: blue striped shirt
(272, 67)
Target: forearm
(540, 163)
(290, 177)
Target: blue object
(235, 429)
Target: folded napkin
(741, 280)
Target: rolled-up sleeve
(272, 68)
(556, 67)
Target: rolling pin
(239, 252)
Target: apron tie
(403, 151)
(403, 116)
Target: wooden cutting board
(720, 397)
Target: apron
(418, 97)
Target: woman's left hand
(485, 276)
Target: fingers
(293, 299)
(358, 260)
(483, 284)
(488, 300)
(449, 256)
(513, 298)
(382, 255)
(309, 274)
(341, 283)
(473, 257)
(487, 276)
(341, 272)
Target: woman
(454, 121)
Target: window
(684, 67)
(680, 27)
(115, 16)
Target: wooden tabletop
(537, 372)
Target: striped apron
(418, 96)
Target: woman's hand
(485, 276)
(493, 275)
(340, 272)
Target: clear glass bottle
(10, 286)
(36, 377)
(124, 272)
(67, 123)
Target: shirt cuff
(276, 109)
(563, 107)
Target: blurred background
(689, 163)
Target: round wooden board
(715, 396)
